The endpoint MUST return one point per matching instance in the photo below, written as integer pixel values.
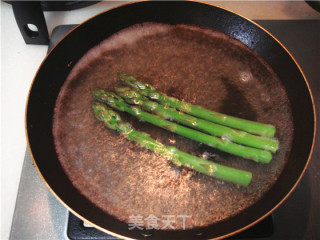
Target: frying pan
(58, 64)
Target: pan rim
(220, 237)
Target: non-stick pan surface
(199, 65)
(58, 64)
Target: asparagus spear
(149, 91)
(113, 121)
(133, 97)
(225, 145)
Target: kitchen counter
(19, 63)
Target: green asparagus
(149, 91)
(133, 97)
(225, 145)
(113, 121)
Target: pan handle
(31, 22)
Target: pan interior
(198, 65)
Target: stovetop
(39, 215)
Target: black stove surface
(299, 216)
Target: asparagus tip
(129, 95)
(124, 77)
(96, 92)
(100, 111)
(122, 74)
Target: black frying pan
(56, 67)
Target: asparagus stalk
(225, 145)
(113, 121)
(133, 97)
(149, 91)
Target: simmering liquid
(197, 65)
